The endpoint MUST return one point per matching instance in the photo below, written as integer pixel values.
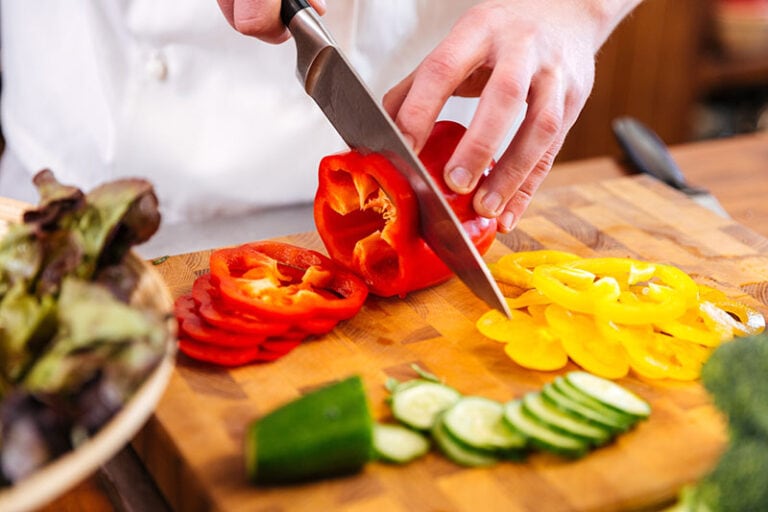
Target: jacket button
(156, 66)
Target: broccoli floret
(737, 378)
(736, 375)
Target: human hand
(509, 53)
(261, 18)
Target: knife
(648, 153)
(346, 101)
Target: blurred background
(689, 69)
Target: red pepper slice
(192, 326)
(282, 282)
(228, 356)
(368, 218)
(219, 314)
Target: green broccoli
(736, 375)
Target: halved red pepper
(367, 215)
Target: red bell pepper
(367, 215)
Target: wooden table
(735, 170)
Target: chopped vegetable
(326, 432)
(611, 315)
(478, 423)
(418, 403)
(283, 282)
(367, 215)
(398, 444)
(72, 350)
(736, 375)
(261, 300)
(569, 417)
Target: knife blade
(648, 153)
(361, 121)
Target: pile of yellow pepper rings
(610, 315)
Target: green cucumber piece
(557, 398)
(417, 405)
(541, 435)
(324, 433)
(567, 424)
(624, 419)
(458, 452)
(398, 444)
(609, 394)
(478, 423)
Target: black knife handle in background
(289, 8)
(648, 153)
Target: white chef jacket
(167, 90)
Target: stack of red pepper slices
(261, 300)
(367, 215)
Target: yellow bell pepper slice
(516, 268)
(529, 343)
(532, 297)
(655, 355)
(573, 288)
(730, 318)
(583, 343)
(692, 327)
(625, 270)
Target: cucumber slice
(457, 452)
(540, 435)
(478, 423)
(555, 397)
(609, 394)
(324, 433)
(624, 419)
(567, 424)
(417, 405)
(398, 444)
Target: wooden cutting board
(192, 445)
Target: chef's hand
(509, 53)
(261, 18)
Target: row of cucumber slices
(569, 416)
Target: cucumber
(609, 394)
(555, 397)
(567, 424)
(541, 435)
(398, 444)
(619, 417)
(417, 405)
(458, 452)
(324, 433)
(478, 423)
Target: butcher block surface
(193, 444)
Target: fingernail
(460, 178)
(409, 140)
(491, 202)
(506, 221)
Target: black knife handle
(647, 152)
(289, 8)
